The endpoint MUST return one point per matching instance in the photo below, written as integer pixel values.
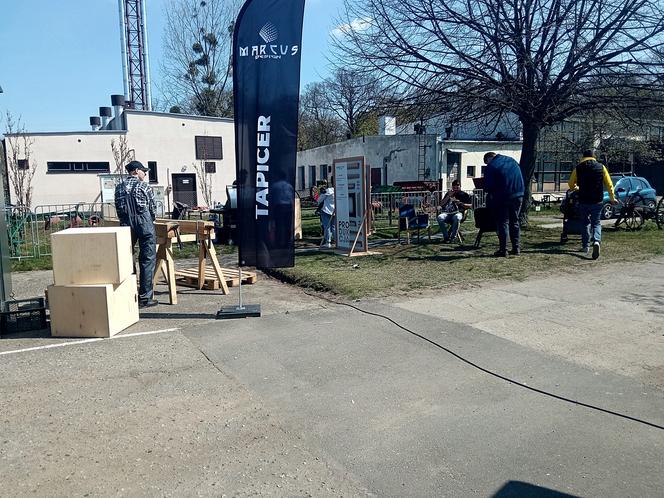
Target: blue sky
(60, 60)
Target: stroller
(572, 222)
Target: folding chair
(409, 220)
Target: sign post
(352, 200)
(266, 87)
(5, 262)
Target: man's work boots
(147, 303)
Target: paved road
(319, 399)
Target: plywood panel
(99, 255)
(100, 310)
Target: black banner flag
(266, 84)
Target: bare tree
(542, 60)
(21, 164)
(122, 154)
(352, 96)
(317, 124)
(205, 183)
(196, 67)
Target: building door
(375, 177)
(184, 189)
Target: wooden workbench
(200, 231)
(189, 231)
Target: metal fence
(30, 231)
(385, 206)
(21, 232)
(51, 218)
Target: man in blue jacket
(503, 182)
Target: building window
(323, 171)
(22, 164)
(208, 148)
(312, 176)
(470, 171)
(77, 167)
(210, 167)
(152, 173)
(483, 169)
(300, 177)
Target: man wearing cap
(134, 203)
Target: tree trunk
(531, 133)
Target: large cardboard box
(97, 255)
(100, 310)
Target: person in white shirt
(326, 211)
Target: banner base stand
(241, 310)
(246, 311)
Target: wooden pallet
(233, 277)
(189, 278)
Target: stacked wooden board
(94, 292)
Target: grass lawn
(404, 268)
(426, 266)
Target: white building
(405, 157)
(178, 149)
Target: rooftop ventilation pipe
(118, 103)
(95, 122)
(106, 114)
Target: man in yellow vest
(590, 178)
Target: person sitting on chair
(454, 204)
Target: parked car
(624, 186)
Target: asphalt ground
(317, 398)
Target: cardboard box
(98, 255)
(100, 310)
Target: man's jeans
(328, 222)
(453, 219)
(142, 230)
(506, 214)
(590, 216)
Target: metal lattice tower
(135, 62)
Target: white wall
(474, 156)
(399, 154)
(167, 139)
(65, 188)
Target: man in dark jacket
(590, 177)
(503, 182)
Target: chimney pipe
(95, 122)
(118, 103)
(106, 113)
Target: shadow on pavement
(655, 302)
(519, 489)
(205, 316)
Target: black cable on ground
(489, 372)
